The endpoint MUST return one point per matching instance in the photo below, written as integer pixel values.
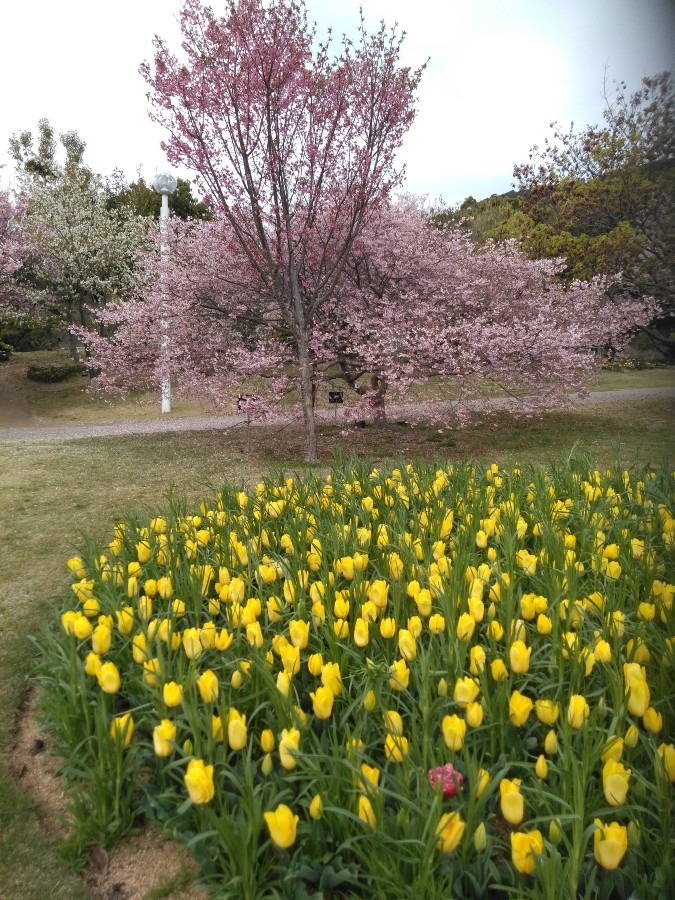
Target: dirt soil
(136, 867)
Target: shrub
(53, 372)
(26, 334)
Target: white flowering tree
(83, 254)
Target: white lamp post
(164, 183)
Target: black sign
(336, 397)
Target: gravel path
(41, 432)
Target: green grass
(52, 492)
(69, 401)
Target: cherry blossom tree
(14, 247)
(295, 147)
(224, 335)
(414, 305)
(423, 305)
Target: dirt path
(23, 430)
(14, 410)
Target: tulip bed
(428, 682)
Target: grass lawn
(69, 401)
(53, 492)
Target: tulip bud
(551, 742)
(555, 831)
(634, 834)
(267, 765)
(480, 838)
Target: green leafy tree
(480, 217)
(139, 198)
(604, 198)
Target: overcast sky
(499, 72)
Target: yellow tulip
(152, 671)
(667, 757)
(369, 778)
(423, 602)
(547, 711)
(82, 627)
(393, 722)
(465, 692)
(208, 686)
(361, 633)
(331, 678)
(449, 832)
(615, 777)
(109, 678)
(613, 749)
(652, 720)
(345, 567)
(524, 846)
(164, 738)
(466, 625)
(519, 657)
(125, 620)
(267, 741)
(282, 825)
(498, 670)
(92, 664)
(316, 807)
(520, 708)
(407, 645)
(577, 711)
(511, 804)
(454, 730)
(477, 659)
(322, 701)
(400, 675)
(369, 701)
(299, 632)
(101, 639)
(541, 767)
(165, 587)
(482, 781)
(474, 715)
(387, 627)
(436, 623)
(395, 747)
(289, 747)
(199, 781)
(395, 566)
(237, 732)
(192, 644)
(122, 728)
(551, 742)
(610, 843)
(365, 811)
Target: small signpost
(335, 398)
(244, 404)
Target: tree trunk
(307, 395)
(376, 395)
